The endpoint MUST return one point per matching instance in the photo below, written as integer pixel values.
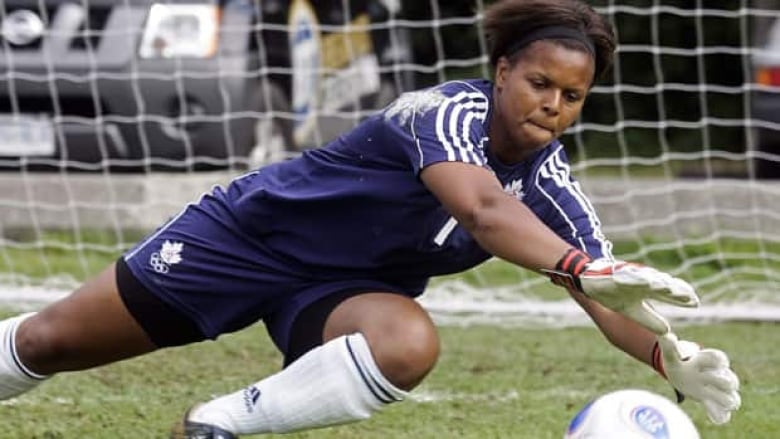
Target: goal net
(114, 114)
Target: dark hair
(509, 21)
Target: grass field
(491, 382)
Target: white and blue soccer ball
(631, 414)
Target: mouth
(541, 127)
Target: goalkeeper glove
(702, 374)
(623, 286)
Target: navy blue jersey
(357, 207)
(350, 216)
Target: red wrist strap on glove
(568, 269)
(657, 361)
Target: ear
(502, 72)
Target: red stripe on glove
(568, 269)
(656, 360)
(573, 262)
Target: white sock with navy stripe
(335, 383)
(15, 377)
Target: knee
(38, 344)
(406, 352)
(400, 333)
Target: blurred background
(186, 85)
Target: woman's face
(537, 98)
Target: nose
(552, 102)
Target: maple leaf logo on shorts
(169, 254)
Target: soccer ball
(631, 414)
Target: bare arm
(509, 230)
(503, 226)
(621, 331)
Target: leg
(376, 346)
(88, 328)
(401, 335)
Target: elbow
(483, 216)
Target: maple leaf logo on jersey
(409, 103)
(515, 188)
(169, 254)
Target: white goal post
(113, 115)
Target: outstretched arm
(623, 332)
(703, 374)
(502, 226)
(612, 292)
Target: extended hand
(704, 375)
(624, 287)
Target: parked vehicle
(187, 84)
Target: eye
(538, 83)
(573, 96)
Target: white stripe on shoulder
(558, 170)
(453, 125)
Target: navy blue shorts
(204, 267)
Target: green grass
(75, 253)
(490, 382)
(78, 256)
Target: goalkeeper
(329, 250)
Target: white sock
(15, 377)
(335, 383)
